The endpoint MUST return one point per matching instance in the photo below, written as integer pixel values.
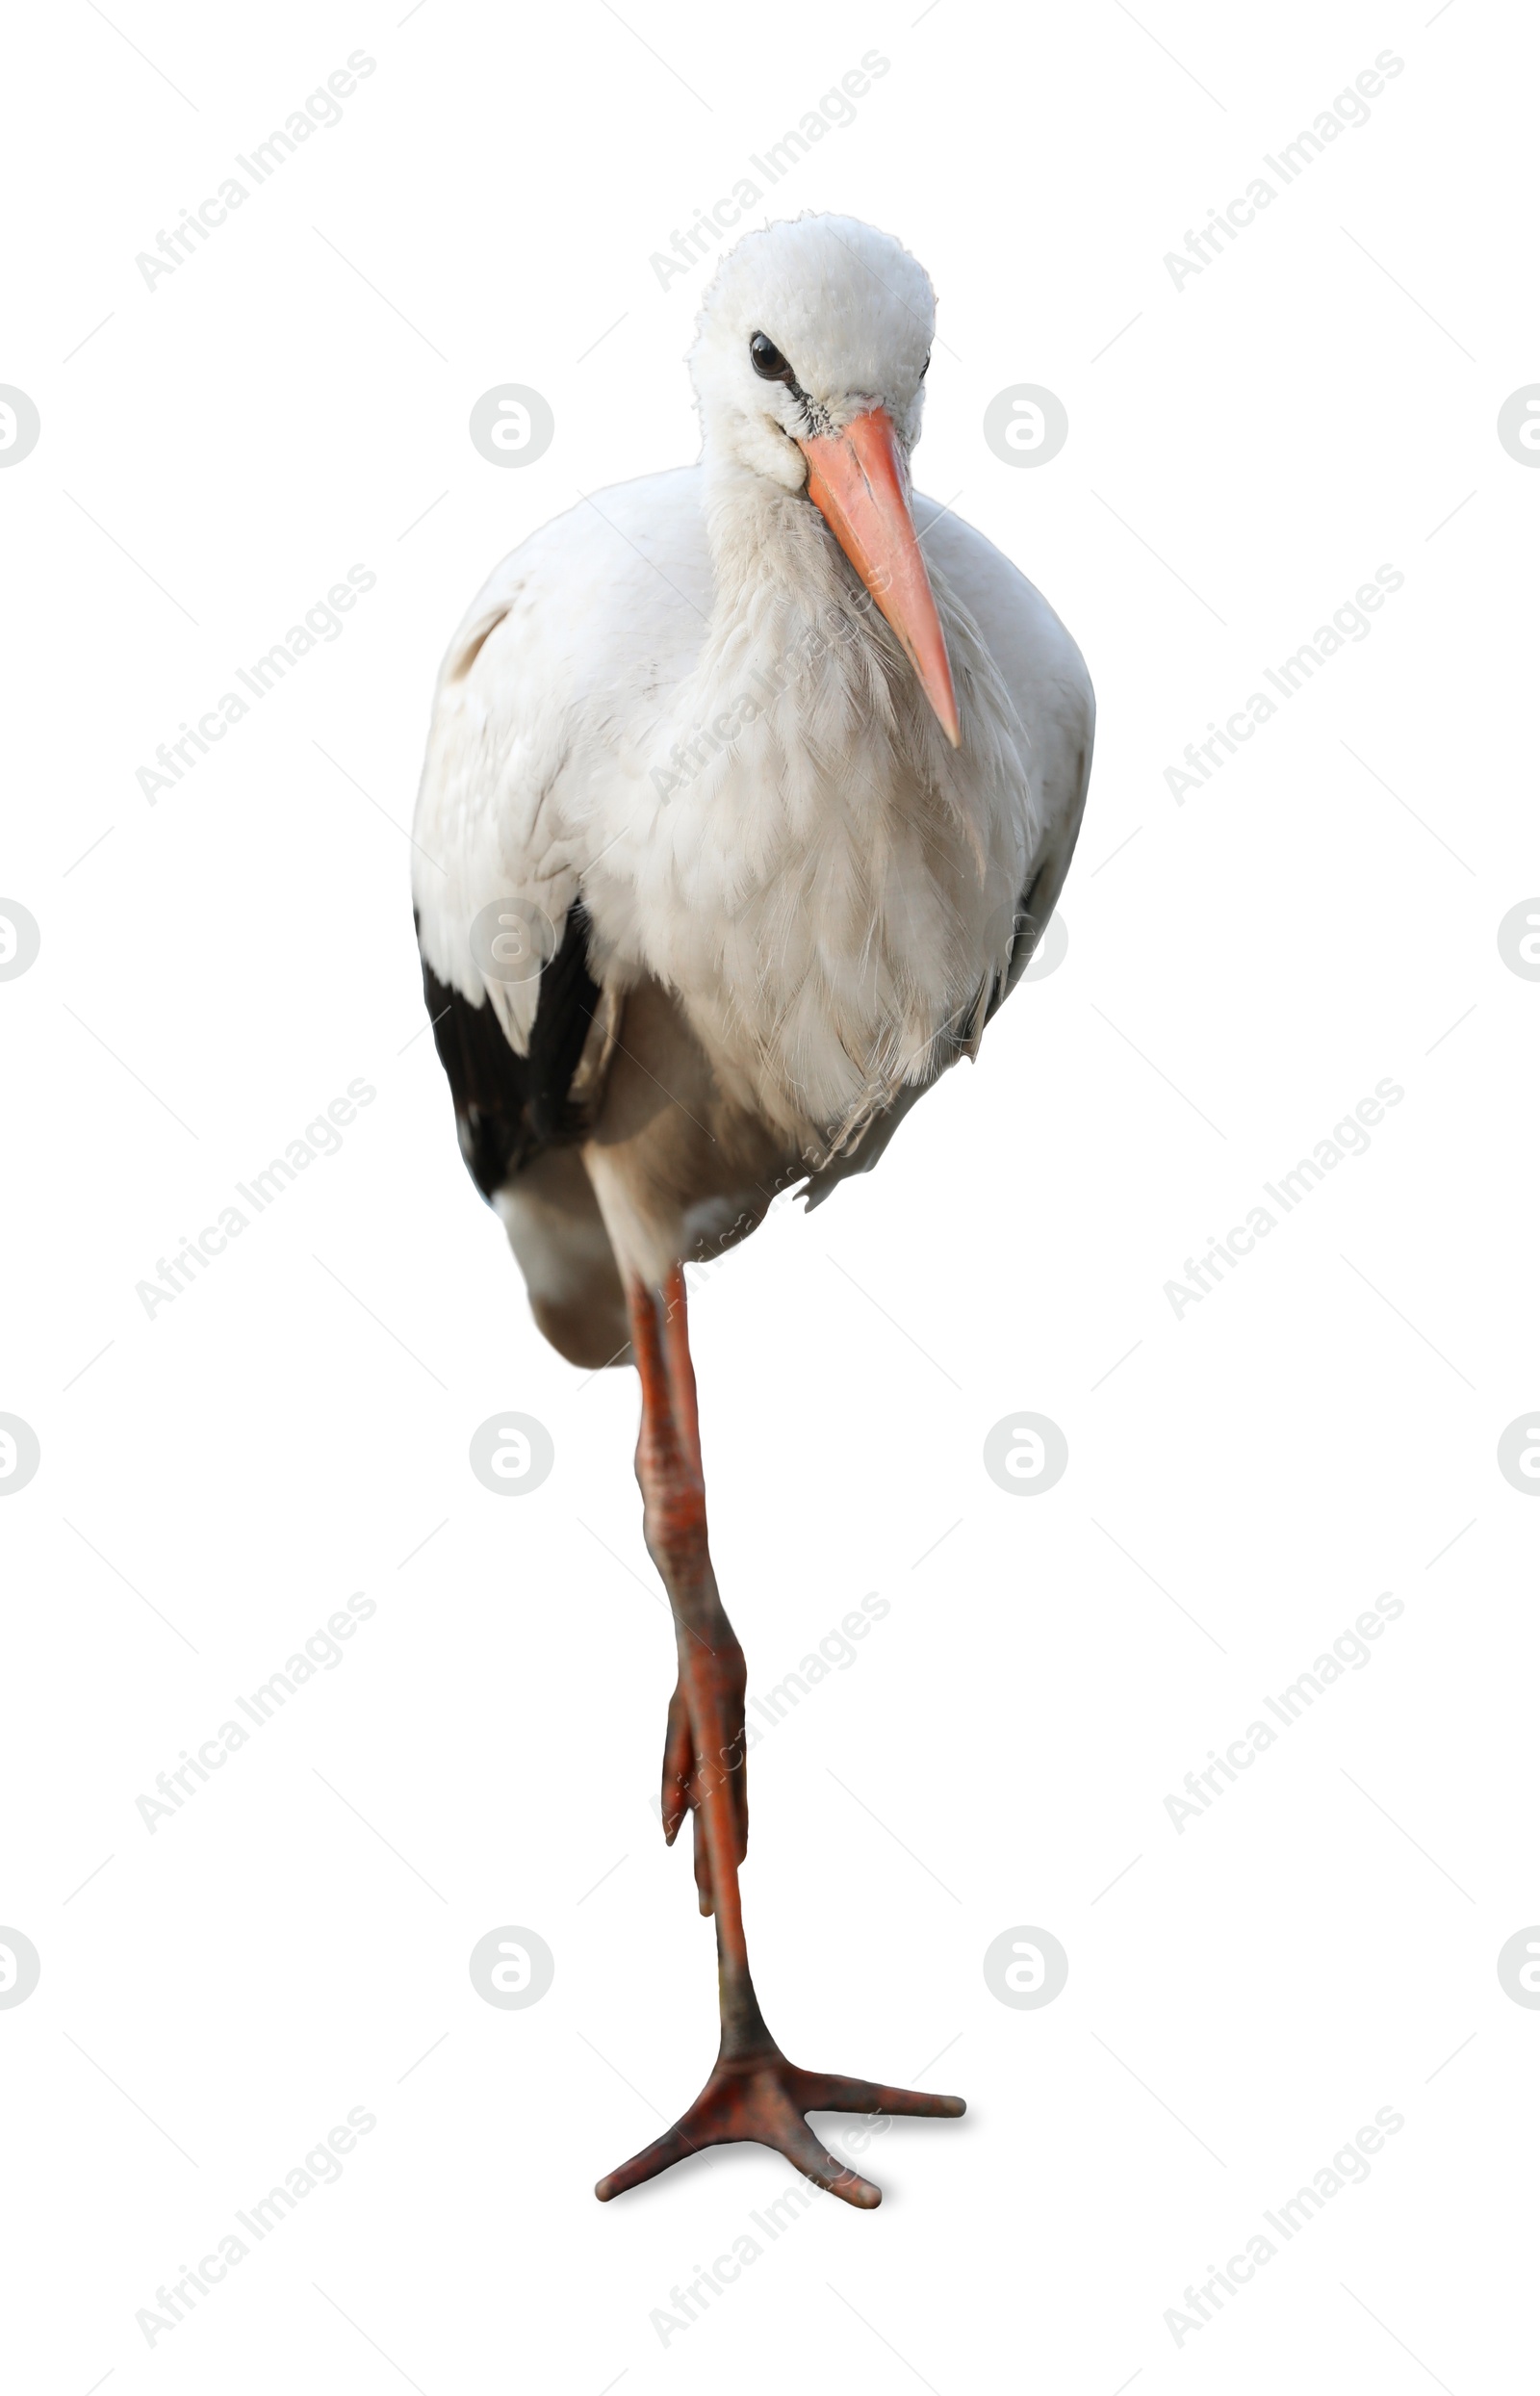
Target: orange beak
(855, 480)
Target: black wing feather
(508, 1108)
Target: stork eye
(768, 360)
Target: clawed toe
(824, 2091)
(764, 2101)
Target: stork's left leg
(754, 2093)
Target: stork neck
(770, 549)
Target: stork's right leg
(754, 2093)
(708, 1651)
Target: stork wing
(1050, 866)
(559, 657)
(494, 864)
(502, 934)
(508, 1107)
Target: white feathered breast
(678, 699)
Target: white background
(1242, 1480)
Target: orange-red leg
(754, 2093)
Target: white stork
(747, 806)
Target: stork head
(808, 367)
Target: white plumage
(765, 802)
(831, 890)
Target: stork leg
(754, 2093)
